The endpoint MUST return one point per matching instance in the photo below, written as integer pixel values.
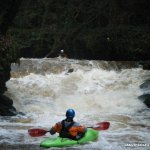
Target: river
(98, 91)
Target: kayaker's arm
(78, 131)
(55, 128)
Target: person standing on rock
(62, 54)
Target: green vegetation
(97, 29)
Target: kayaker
(68, 128)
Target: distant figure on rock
(62, 54)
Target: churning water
(98, 90)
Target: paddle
(40, 132)
(101, 126)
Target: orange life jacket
(71, 131)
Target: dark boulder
(145, 85)
(146, 99)
(6, 106)
(70, 70)
(6, 101)
(2, 81)
(145, 64)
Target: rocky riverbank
(146, 85)
(146, 96)
(6, 104)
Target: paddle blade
(37, 132)
(101, 126)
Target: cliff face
(8, 53)
(6, 104)
(97, 29)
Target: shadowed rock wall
(97, 29)
(6, 104)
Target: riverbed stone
(6, 106)
(146, 99)
(146, 85)
(145, 64)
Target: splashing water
(43, 90)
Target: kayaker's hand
(78, 137)
(52, 131)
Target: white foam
(94, 93)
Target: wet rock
(21, 113)
(7, 111)
(146, 99)
(2, 81)
(146, 67)
(5, 100)
(145, 64)
(6, 106)
(145, 85)
(70, 70)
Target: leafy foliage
(97, 29)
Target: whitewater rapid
(99, 91)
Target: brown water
(98, 91)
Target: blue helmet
(70, 113)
